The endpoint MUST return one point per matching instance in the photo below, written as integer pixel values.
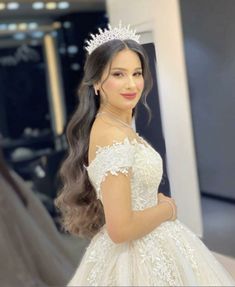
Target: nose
(131, 82)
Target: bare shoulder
(108, 135)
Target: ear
(96, 88)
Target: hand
(162, 199)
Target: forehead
(126, 59)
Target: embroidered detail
(177, 232)
(129, 155)
(170, 255)
(98, 251)
(154, 250)
(160, 263)
(114, 159)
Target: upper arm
(115, 187)
(116, 195)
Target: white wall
(161, 19)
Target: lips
(129, 95)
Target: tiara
(121, 33)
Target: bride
(111, 178)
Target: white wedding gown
(171, 255)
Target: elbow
(118, 235)
(117, 239)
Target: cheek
(140, 84)
(112, 85)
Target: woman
(111, 178)
(32, 252)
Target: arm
(124, 224)
(145, 221)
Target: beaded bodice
(130, 155)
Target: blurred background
(191, 47)
(41, 60)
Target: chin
(130, 106)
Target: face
(122, 82)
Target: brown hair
(82, 213)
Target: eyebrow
(116, 68)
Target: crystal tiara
(121, 33)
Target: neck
(125, 117)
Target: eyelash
(117, 74)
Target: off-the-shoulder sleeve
(114, 159)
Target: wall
(209, 45)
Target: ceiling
(44, 18)
(25, 11)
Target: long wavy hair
(82, 213)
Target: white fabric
(171, 255)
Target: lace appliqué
(98, 251)
(160, 262)
(154, 253)
(111, 159)
(153, 250)
(176, 231)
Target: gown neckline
(132, 141)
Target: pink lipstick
(129, 96)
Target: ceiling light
(38, 5)
(2, 6)
(32, 25)
(12, 27)
(13, 5)
(51, 5)
(3, 27)
(63, 5)
(22, 26)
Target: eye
(117, 74)
(138, 74)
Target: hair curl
(82, 213)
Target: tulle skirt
(171, 255)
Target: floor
(219, 230)
(219, 225)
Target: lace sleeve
(114, 159)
